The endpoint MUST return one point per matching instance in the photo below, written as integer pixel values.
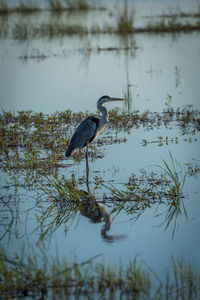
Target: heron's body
(86, 133)
(89, 129)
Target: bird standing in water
(89, 129)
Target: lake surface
(158, 72)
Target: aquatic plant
(141, 192)
(56, 5)
(32, 6)
(4, 8)
(178, 13)
(125, 20)
(66, 202)
(193, 168)
(124, 25)
(36, 142)
(78, 4)
(28, 7)
(171, 26)
(177, 179)
(27, 276)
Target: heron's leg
(87, 169)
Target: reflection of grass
(178, 13)
(78, 4)
(176, 182)
(125, 21)
(140, 192)
(4, 8)
(65, 202)
(29, 276)
(55, 28)
(149, 189)
(28, 7)
(69, 278)
(56, 5)
(175, 209)
(171, 26)
(32, 6)
(22, 30)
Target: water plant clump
(124, 25)
(178, 13)
(37, 142)
(125, 20)
(172, 173)
(56, 5)
(21, 7)
(63, 199)
(173, 25)
(4, 8)
(78, 5)
(48, 29)
(92, 278)
(32, 6)
(142, 191)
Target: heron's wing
(85, 133)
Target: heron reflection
(63, 211)
(96, 212)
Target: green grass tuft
(28, 276)
(4, 8)
(78, 5)
(56, 5)
(176, 177)
(125, 20)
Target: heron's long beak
(117, 99)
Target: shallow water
(161, 66)
(163, 70)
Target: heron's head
(105, 99)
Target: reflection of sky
(77, 81)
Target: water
(159, 60)
(164, 69)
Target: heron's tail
(69, 151)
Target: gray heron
(89, 129)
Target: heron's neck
(104, 112)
